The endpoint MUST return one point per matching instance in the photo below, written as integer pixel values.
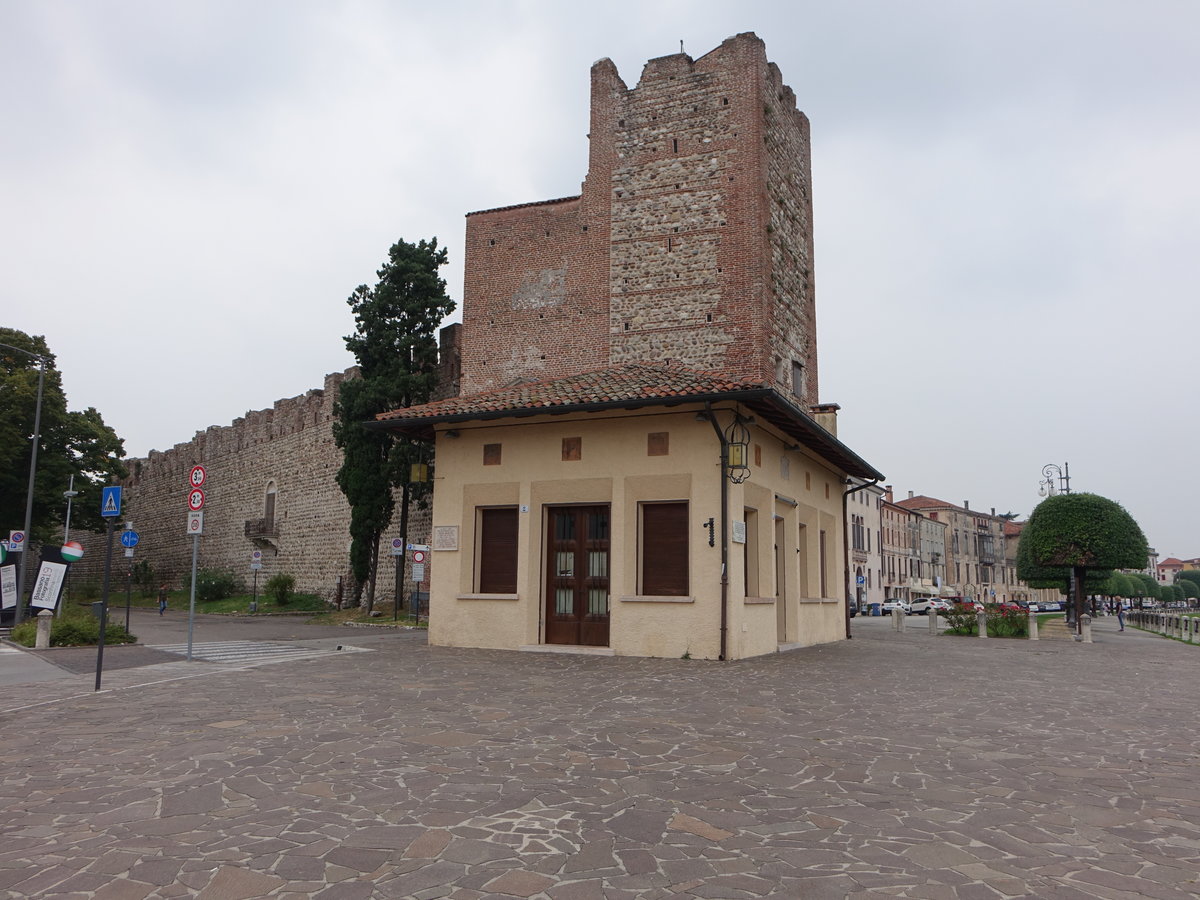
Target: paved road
(886, 766)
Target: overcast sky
(1007, 207)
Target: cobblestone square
(891, 765)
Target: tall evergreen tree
(395, 345)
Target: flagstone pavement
(890, 765)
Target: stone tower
(690, 242)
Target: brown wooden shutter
(665, 549)
(498, 551)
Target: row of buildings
(921, 546)
(1168, 570)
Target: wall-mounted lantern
(737, 451)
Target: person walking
(1121, 615)
(162, 599)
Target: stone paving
(891, 765)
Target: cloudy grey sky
(1007, 206)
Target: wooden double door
(577, 586)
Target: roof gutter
(712, 419)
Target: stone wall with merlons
(287, 449)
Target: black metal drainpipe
(712, 418)
(846, 541)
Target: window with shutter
(498, 550)
(664, 550)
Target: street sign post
(110, 501)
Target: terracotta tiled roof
(630, 386)
(632, 382)
(1171, 561)
(922, 502)
(1012, 529)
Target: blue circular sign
(130, 538)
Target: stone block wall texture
(288, 449)
(690, 241)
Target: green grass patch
(76, 627)
(235, 605)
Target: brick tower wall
(691, 240)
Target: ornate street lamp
(1055, 480)
(737, 451)
(18, 613)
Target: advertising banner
(48, 587)
(8, 587)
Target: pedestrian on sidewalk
(1121, 616)
(162, 599)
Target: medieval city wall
(287, 450)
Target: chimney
(910, 495)
(993, 511)
(825, 415)
(887, 493)
(966, 504)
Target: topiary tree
(1191, 590)
(1081, 533)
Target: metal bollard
(1085, 623)
(981, 618)
(1033, 635)
(42, 641)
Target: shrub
(144, 578)
(281, 588)
(1013, 623)
(960, 619)
(213, 584)
(73, 629)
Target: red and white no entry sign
(195, 499)
(198, 476)
(418, 556)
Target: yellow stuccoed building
(639, 510)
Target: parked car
(922, 605)
(1049, 606)
(891, 603)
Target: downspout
(846, 541)
(712, 418)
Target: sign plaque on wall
(445, 537)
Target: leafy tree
(1146, 586)
(395, 344)
(1191, 590)
(70, 443)
(1192, 575)
(1083, 533)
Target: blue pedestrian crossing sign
(110, 501)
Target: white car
(892, 603)
(922, 605)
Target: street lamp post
(1055, 480)
(18, 613)
(70, 493)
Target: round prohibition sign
(198, 476)
(195, 500)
